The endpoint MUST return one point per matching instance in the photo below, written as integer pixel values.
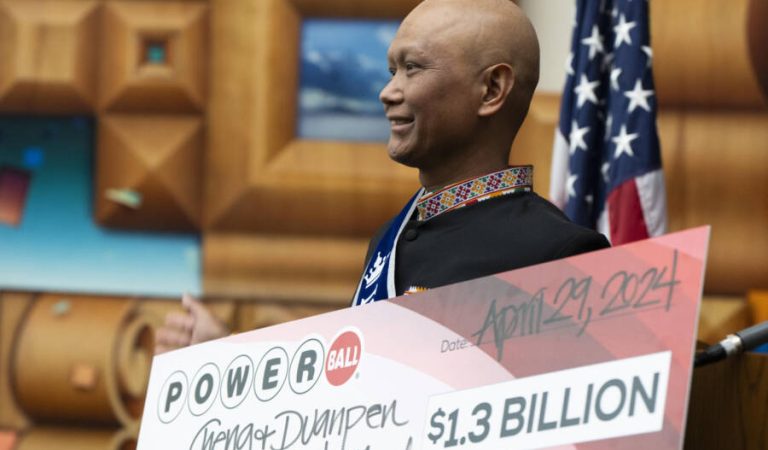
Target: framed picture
(267, 173)
(343, 70)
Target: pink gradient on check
(412, 330)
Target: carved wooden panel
(93, 352)
(154, 161)
(154, 56)
(13, 308)
(280, 267)
(47, 49)
(71, 438)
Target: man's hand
(182, 329)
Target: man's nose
(391, 94)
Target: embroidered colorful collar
(475, 190)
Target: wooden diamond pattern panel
(157, 160)
(47, 51)
(153, 56)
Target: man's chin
(401, 155)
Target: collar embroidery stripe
(469, 192)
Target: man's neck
(437, 178)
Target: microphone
(733, 344)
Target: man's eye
(392, 71)
(410, 66)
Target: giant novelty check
(590, 352)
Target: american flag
(606, 165)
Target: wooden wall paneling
(262, 178)
(157, 157)
(729, 405)
(279, 267)
(758, 305)
(131, 83)
(59, 438)
(722, 315)
(534, 141)
(48, 49)
(715, 170)
(757, 33)
(13, 308)
(82, 358)
(255, 315)
(706, 56)
(677, 178)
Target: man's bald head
(464, 72)
(487, 32)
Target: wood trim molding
(261, 176)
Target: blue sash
(378, 281)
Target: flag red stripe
(626, 214)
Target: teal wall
(58, 246)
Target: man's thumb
(191, 304)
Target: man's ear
(498, 81)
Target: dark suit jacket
(496, 235)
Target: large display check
(590, 352)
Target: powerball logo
(263, 376)
(343, 357)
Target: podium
(729, 405)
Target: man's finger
(180, 320)
(193, 305)
(160, 348)
(172, 337)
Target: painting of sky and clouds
(343, 69)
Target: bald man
(463, 74)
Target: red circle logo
(343, 358)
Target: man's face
(432, 99)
